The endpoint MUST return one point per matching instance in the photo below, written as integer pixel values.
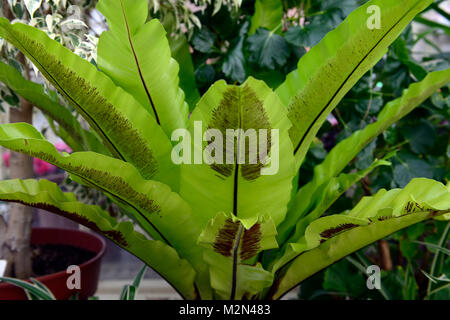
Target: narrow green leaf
(434, 246)
(331, 68)
(326, 195)
(130, 291)
(180, 52)
(136, 56)
(239, 241)
(32, 290)
(81, 139)
(152, 204)
(437, 255)
(331, 238)
(346, 150)
(46, 195)
(249, 280)
(126, 128)
(232, 187)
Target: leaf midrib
(237, 156)
(346, 80)
(280, 269)
(138, 66)
(123, 200)
(235, 261)
(68, 96)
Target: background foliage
(232, 39)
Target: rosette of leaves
(216, 230)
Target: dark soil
(52, 258)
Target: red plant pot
(57, 282)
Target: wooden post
(15, 242)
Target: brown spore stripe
(114, 235)
(251, 242)
(255, 117)
(335, 230)
(87, 99)
(236, 104)
(119, 188)
(116, 184)
(225, 238)
(225, 116)
(412, 206)
(294, 113)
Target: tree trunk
(15, 233)
(16, 245)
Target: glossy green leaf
(235, 244)
(46, 195)
(136, 56)
(249, 280)
(229, 236)
(331, 238)
(346, 150)
(81, 139)
(123, 124)
(331, 68)
(181, 53)
(327, 194)
(241, 189)
(152, 204)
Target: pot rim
(62, 273)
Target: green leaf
(434, 279)
(250, 280)
(43, 287)
(33, 291)
(238, 241)
(331, 68)
(409, 168)
(326, 195)
(331, 238)
(226, 234)
(46, 195)
(365, 157)
(234, 62)
(435, 268)
(152, 204)
(344, 279)
(306, 36)
(435, 246)
(421, 136)
(123, 124)
(136, 56)
(180, 52)
(246, 190)
(203, 40)
(267, 49)
(129, 292)
(205, 75)
(268, 14)
(339, 157)
(81, 139)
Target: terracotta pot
(56, 282)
